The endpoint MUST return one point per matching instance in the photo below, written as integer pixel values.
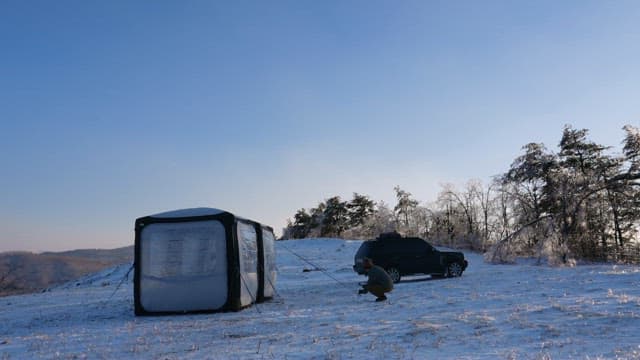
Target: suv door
(431, 261)
(387, 254)
(416, 253)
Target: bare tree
(405, 207)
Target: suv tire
(394, 273)
(454, 269)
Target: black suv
(401, 256)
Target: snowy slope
(491, 312)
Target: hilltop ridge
(26, 272)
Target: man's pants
(375, 289)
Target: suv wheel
(394, 274)
(454, 270)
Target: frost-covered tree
(465, 201)
(523, 187)
(624, 193)
(317, 219)
(631, 148)
(576, 189)
(359, 209)
(465, 218)
(582, 190)
(405, 207)
(302, 224)
(336, 217)
(451, 219)
(581, 201)
(487, 217)
(380, 221)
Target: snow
(521, 311)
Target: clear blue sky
(112, 110)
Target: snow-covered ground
(519, 311)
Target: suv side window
(365, 250)
(417, 246)
(385, 246)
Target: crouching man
(379, 281)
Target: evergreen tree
(317, 219)
(359, 209)
(577, 189)
(631, 149)
(302, 224)
(526, 187)
(336, 217)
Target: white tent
(201, 260)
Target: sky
(115, 110)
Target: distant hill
(25, 272)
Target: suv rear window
(365, 250)
(417, 246)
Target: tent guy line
(317, 267)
